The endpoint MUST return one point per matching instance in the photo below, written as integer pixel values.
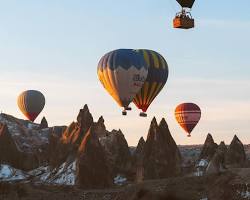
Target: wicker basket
(183, 22)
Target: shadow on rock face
(144, 194)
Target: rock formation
(92, 146)
(43, 124)
(137, 160)
(209, 148)
(8, 150)
(101, 128)
(76, 131)
(117, 152)
(161, 156)
(92, 169)
(10, 154)
(217, 163)
(236, 156)
(68, 144)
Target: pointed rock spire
(43, 124)
(209, 148)
(217, 163)
(236, 155)
(138, 160)
(100, 120)
(222, 147)
(76, 131)
(85, 118)
(154, 122)
(140, 147)
(117, 152)
(92, 169)
(153, 129)
(161, 156)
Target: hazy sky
(54, 46)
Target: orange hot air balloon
(31, 103)
(188, 115)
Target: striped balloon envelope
(122, 73)
(188, 115)
(31, 103)
(156, 79)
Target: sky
(54, 46)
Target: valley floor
(191, 188)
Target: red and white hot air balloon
(188, 115)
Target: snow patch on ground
(8, 173)
(120, 180)
(245, 195)
(201, 167)
(63, 175)
(202, 163)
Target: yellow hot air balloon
(31, 103)
(156, 79)
(122, 73)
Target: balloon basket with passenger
(143, 114)
(124, 112)
(183, 20)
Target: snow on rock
(245, 195)
(8, 173)
(39, 171)
(32, 126)
(27, 135)
(120, 180)
(63, 175)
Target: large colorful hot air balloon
(156, 79)
(122, 72)
(188, 115)
(31, 103)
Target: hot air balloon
(122, 73)
(31, 103)
(184, 19)
(188, 115)
(156, 79)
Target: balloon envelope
(186, 3)
(122, 73)
(156, 79)
(31, 103)
(188, 115)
